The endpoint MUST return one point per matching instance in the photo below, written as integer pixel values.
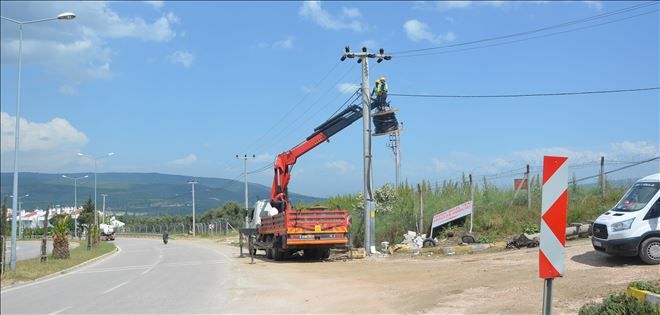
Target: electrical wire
(615, 170)
(525, 39)
(595, 17)
(526, 95)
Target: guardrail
(139, 235)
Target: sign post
(554, 202)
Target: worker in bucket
(381, 94)
(374, 93)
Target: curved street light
(62, 16)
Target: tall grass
(497, 215)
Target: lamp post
(96, 159)
(63, 16)
(75, 200)
(103, 214)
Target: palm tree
(60, 239)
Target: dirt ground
(504, 282)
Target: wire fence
(212, 227)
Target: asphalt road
(32, 249)
(146, 276)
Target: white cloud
(638, 148)
(80, 49)
(284, 43)
(187, 160)
(442, 166)
(351, 12)
(47, 145)
(574, 156)
(347, 88)
(418, 31)
(598, 5)
(264, 157)
(341, 166)
(155, 4)
(371, 44)
(182, 57)
(69, 90)
(312, 10)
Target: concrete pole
(471, 199)
(193, 182)
(14, 200)
(369, 213)
(103, 215)
(529, 189)
(602, 176)
(245, 157)
(398, 158)
(421, 209)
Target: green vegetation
(620, 303)
(497, 215)
(31, 269)
(651, 286)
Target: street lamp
(63, 16)
(75, 200)
(20, 221)
(96, 159)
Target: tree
(60, 238)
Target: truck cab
(631, 227)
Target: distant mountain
(146, 193)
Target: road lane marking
(160, 258)
(125, 268)
(115, 287)
(60, 311)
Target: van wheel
(649, 251)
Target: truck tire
(325, 253)
(269, 253)
(649, 250)
(277, 254)
(310, 253)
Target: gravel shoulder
(500, 282)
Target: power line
(526, 95)
(595, 17)
(528, 38)
(616, 170)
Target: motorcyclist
(166, 236)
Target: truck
(631, 227)
(283, 230)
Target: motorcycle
(165, 238)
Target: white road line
(60, 311)
(115, 287)
(160, 258)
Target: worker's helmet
(377, 81)
(382, 78)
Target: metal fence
(219, 226)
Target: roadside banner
(452, 214)
(554, 201)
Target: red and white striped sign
(554, 201)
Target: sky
(183, 87)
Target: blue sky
(182, 87)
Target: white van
(631, 227)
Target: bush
(618, 304)
(651, 286)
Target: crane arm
(286, 160)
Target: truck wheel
(277, 254)
(649, 251)
(325, 253)
(309, 253)
(269, 253)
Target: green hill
(146, 193)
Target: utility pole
(395, 145)
(245, 157)
(529, 189)
(103, 215)
(602, 176)
(471, 199)
(193, 183)
(421, 210)
(369, 213)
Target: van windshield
(637, 197)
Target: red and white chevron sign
(554, 201)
